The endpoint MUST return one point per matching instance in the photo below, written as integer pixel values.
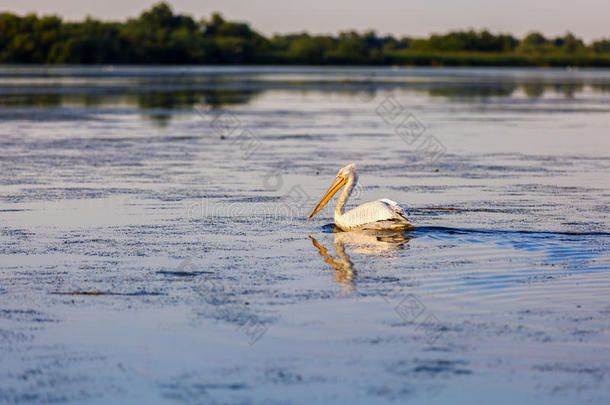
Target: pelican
(380, 214)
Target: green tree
(601, 46)
(161, 36)
(534, 42)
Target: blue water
(155, 246)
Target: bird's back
(375, 214)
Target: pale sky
(588, 19)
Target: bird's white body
(380, 214)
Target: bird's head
(343, 176)
(347, 170)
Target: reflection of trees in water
(530, 89)
(219, 98)
(569, 89)
(163, 101)
(537, 89)
(474, 90)
(604, 88)
(188, 98)
(30, 100)
(160, 103)
(152, 99)
(170, 100)
(533, 90)
(166, 99)
(367, 91)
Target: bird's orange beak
(332, 190)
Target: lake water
(155, 246)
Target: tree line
(160, 36)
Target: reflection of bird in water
(368, 242)
(380, 214)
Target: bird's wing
(393, 205)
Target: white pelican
(380, 214)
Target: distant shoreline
(161, 37)
(195, 69)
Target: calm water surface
(155, 247)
